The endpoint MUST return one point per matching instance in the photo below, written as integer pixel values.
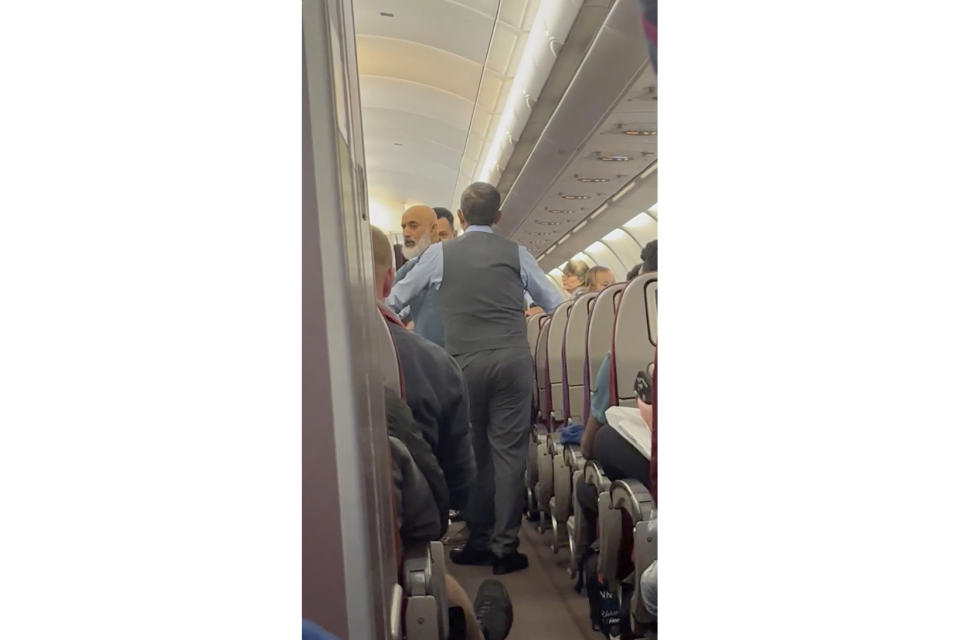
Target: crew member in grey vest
(481, 278)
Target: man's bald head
(383, 263)
(420, 230)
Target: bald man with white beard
(420, 230)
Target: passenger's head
(574, 275)
(599, 278)
(419, 225)
(649, 255)
(479, 205)
(634, 271)
(383, 265)
(445, 228)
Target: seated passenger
(574, 276)
(421, 519)
(435, 388)
(599, 278)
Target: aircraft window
(643, 229)
(624, 247)
(581, 256)
(602, 254)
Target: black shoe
(471, 555)
(510, 563)
(494, 609)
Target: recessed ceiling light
(593, 179)
(638, 132)
(614, 158)
(560, 210)
(573, 197)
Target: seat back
(558, 325)
(387, 359)
(533, 332)
(574, 355)
(600, 334)
(543, 372)
(634, 338)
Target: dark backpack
(605, 609)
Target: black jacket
(437, 395)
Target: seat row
(568, 348)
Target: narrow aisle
(544, 602)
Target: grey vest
(482, 294)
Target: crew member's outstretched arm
(537, 283)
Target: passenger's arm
(426, 273)
(537, 283)
(599, 403)
(589, 435)
(456, 441)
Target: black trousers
(620, 460)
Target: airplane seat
(574, 355)
(541, 434)
(634, 338)
(387, 358)
(554, 416)
(555, 341)
(599, 336)
(631, 499)
(570, 459)
(419, 601)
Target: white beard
(412, 252)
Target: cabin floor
(544, 602)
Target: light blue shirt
(424, 308)
(600, 401)
(428, 272)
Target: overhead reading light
(560, 210)
(573, 197)
(614, 158)
(638, 132)
(550, 222)
(593, 179)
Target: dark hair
(634, 271)
(444, 213)
(480, 203)
(649, 255)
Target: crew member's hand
(532, 311)
(409, 325)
